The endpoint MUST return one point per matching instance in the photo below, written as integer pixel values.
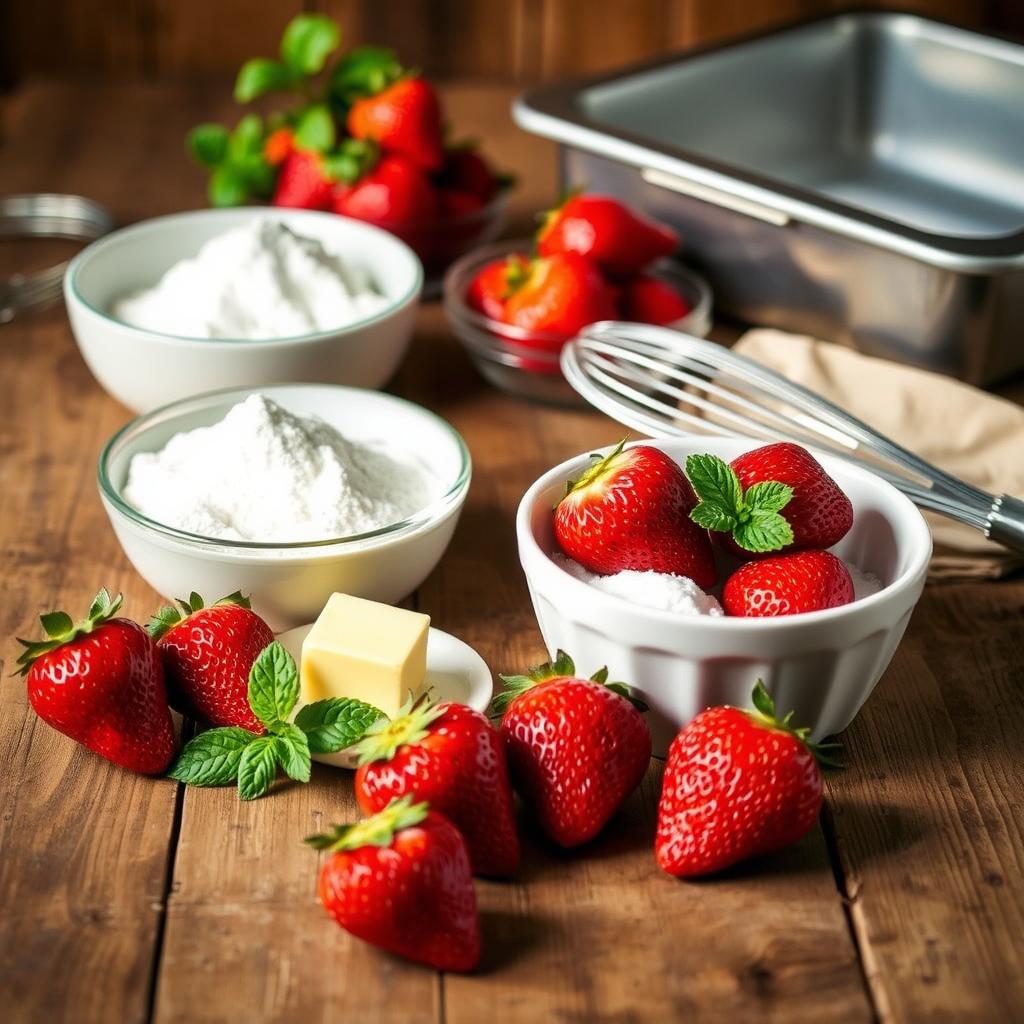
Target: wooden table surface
(129, 899)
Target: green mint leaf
(715, 482)
(247, 138)
(226, 187)
(208, 144)
(763, 531)
(364, 71)
(261, 75)
(293, 751)
(315, 129)
(212, 757)
(711, 517)
(273, 684)
(308, 40)
(257, 767)
(336, 723)
(257, 174)
(769, 495)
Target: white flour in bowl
(670, 593)
(256, 282)
(263, 474)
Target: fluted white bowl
(822, 665)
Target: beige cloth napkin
(971, 434)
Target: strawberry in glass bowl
(514, 305)
(359, 135)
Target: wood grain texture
(118, 910)
(930, 819)
(520, 40)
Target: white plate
(455, 672)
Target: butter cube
(365, 650)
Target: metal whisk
(663, 382)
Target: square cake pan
(858, 177)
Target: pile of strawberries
(771, 513)
(437, 781)
(364, 139)
(592, 262)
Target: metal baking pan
(858, 177)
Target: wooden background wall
(512, 40)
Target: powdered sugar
(864, 583)
(263, 474)
(257, 281)
(670, 593)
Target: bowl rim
(457, 308)
(155, 224)
(426, 516)
(911, 575)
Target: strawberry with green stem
(451, 756)
(221, 756)
(738, 783)
(576, 747)
(208, 653)
(775, 498)
(100, 682)
(401, 881)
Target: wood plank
(444, 38)
(929, 816)
(61, 36)
(187, 38)
(245, 929)
(700, 22)
(83, 844)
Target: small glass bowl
(523, 362)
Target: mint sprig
(219, 757)
(240, 170)
(753, 517)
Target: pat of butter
(365, 650)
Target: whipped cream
(263, 474)
(666, 591)
(258, 281)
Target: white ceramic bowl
(145, 369)
(289, 583)
(822, 665)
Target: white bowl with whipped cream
(210, 299)
(670, 641)
(288, 494)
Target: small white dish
(455, 672)
(146, 369)
(821, 665)
(289, 583)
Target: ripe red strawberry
(100, 682)
(649, 300)
(457, 204)
(403, 118)
(395, 193)
(401, 881)
(466, 170)
(737, 784)
(631, 510)
(449, 755)
(207, 654)
(559, 295)
(492, 285)
(801, 581)
(775, 498)
(278, 146)
(302, 182)
(577, 747)
(620, 241)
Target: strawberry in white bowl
(822, 663)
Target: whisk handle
(1006, 523)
